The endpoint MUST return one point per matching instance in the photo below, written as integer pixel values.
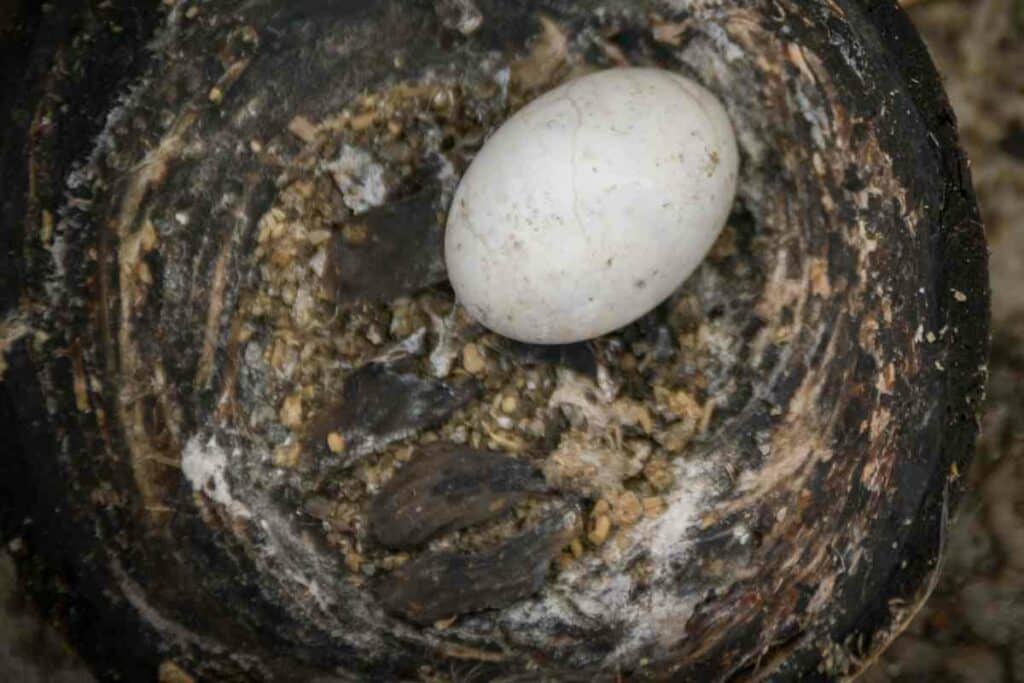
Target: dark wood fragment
(439, 585)
(380, 405)
(400, 250)
(447, 487)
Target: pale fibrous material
(591, 205)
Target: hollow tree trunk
(222, 342)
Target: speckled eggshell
(591, 205)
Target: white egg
(591, 205)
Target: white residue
(412, 345)
(443, 355)
(205, 466)
(360, 179)
(669, 532)
(655, 618)
(503, 77)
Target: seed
(628, 510)
(335, 442)
(355, 234)
(291, 411)
(302, 128)
(653, 506)
(287, 455)
(599, 533)
(509, 404)
(473, 359)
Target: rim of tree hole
(231, 363)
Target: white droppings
(360, 179)
(446, 350)
(204, 466)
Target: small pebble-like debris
(445, 488)
(459, 15)
(627, 509)
(599, 530)
(287, 455)
(335, 442)
(473, 359)
(659, 474)
(653, 506)
(440, 585)
(291, 411)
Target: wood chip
(302, 128)
(439, 585)
(448, 487)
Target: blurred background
(972, 627)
